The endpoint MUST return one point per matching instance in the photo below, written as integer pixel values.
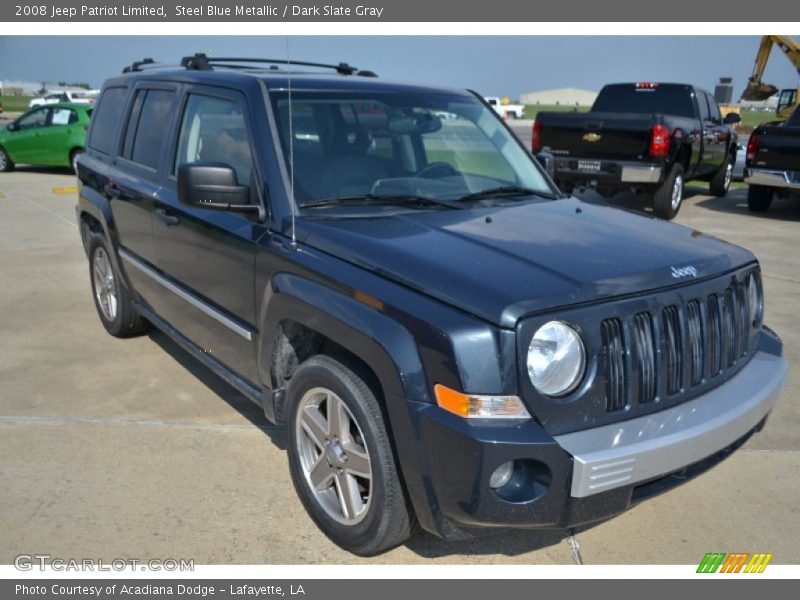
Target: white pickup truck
(509, 111)
(56, 96)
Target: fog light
(501, 475)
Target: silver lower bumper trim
(640, 174)
(625, 453)
(770, 178)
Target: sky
(494, 66)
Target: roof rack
(202, 62)
(139, 64)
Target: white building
(31, 88)
(562, 96)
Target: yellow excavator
(757, 90)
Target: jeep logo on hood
(679, 272)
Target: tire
(111, 298)
(6, 164)
(73, 159)
(759, 198)
(378, 514)
(668, 198)
(721, 182)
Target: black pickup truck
(645, 137)
(773, 162)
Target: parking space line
(55, 420)
(779, 278)
(69, 189)
(770, 451)
(44, 208)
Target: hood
(504, 262)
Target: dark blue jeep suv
(384, 268)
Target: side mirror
(213, 186)
(732, 118)
(12, 127)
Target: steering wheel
(436, 169)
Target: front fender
(380, 342)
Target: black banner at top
(189, 11)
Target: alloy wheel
(333, 456)
(104, 288)
(728, 176)
(677, 192)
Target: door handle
(111, 190)
(170, 219)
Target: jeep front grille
(697, 341)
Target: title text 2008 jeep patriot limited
(384, 267)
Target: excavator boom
(756, 89)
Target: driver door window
(214, 130)
(37, 118)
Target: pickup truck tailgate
(616, 136)
(778, 148)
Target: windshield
(666, 99)
(373, 146)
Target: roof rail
(137, 66)
(202, 62)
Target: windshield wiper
(372, 199)
(506, 190)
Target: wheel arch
(294, 327)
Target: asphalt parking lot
(129, 449)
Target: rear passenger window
(106, 117)
(34, 119)
(133, 121)
(213, 130)
(152, 125)
(63, 116)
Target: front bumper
(640, 449)
(589, 475)
(608, 172)
(770, 178)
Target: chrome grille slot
(713, 336)
(742, 320)
(696, 347)
(614, 364)
(645, 357)
(673, 349)
(728, 328)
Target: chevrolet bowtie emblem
(591, 137)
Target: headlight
(556, 359)
(755, 299)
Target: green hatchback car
(52, 135)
